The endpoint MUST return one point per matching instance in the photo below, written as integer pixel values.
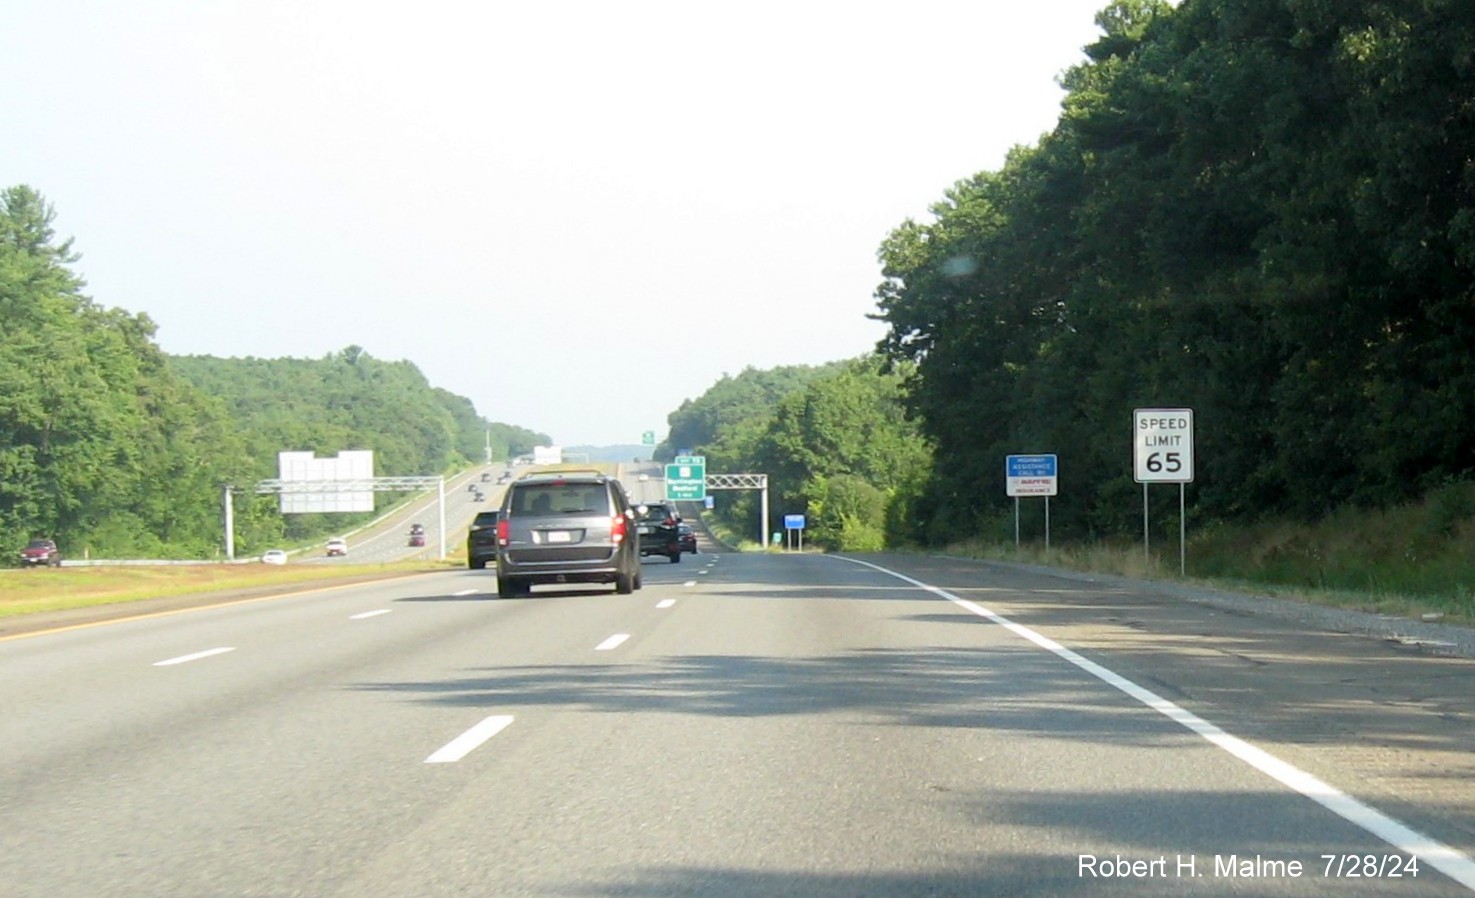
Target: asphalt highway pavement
(745, 725)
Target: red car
(40, 552)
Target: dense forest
(350, 400)
(1263, 210)
(117, 450)
(834, 440)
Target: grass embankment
(1416, 560)
(58, 589)
(729, 537)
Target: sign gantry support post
(366, 484)
(745, 482)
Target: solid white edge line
(464, 744)
(665, 603)
(1444, 858)
(182, 659)
(466, 592)
(612, 642)
(362, 615)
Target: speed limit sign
(1163, 445)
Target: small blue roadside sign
(1030, 475)
(793, 522)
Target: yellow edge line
(136, 617)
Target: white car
(273, 556)
(337, 546)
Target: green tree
(1259, 209)
(100, 446)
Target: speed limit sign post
(1162, 444)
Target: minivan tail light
(504, 530)
(617, 529)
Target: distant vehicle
(658, 533)
(504, 477)
(481, 540)
(486, 476)
(479, 496)
(687, 535)
(40, 553)
(273, 556)
(566, 527)
(337, 546)
(471, 487)
(417, 528)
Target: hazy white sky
(575, 214)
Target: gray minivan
(566, 527)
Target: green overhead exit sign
(686, 479)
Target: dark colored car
(40, 553)
(566, 527)
(659, 525)
(688, 537)
(481, 540)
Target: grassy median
(56, 589)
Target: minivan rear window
(560, 498)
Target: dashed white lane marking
(1450, 861)
(464, 744)
(183, 659)
(367, 614)
(667, 603)
(466, 592)
(690, 583)
(612, 642)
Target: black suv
(566, 527)
(481, 540)
(660, 532)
